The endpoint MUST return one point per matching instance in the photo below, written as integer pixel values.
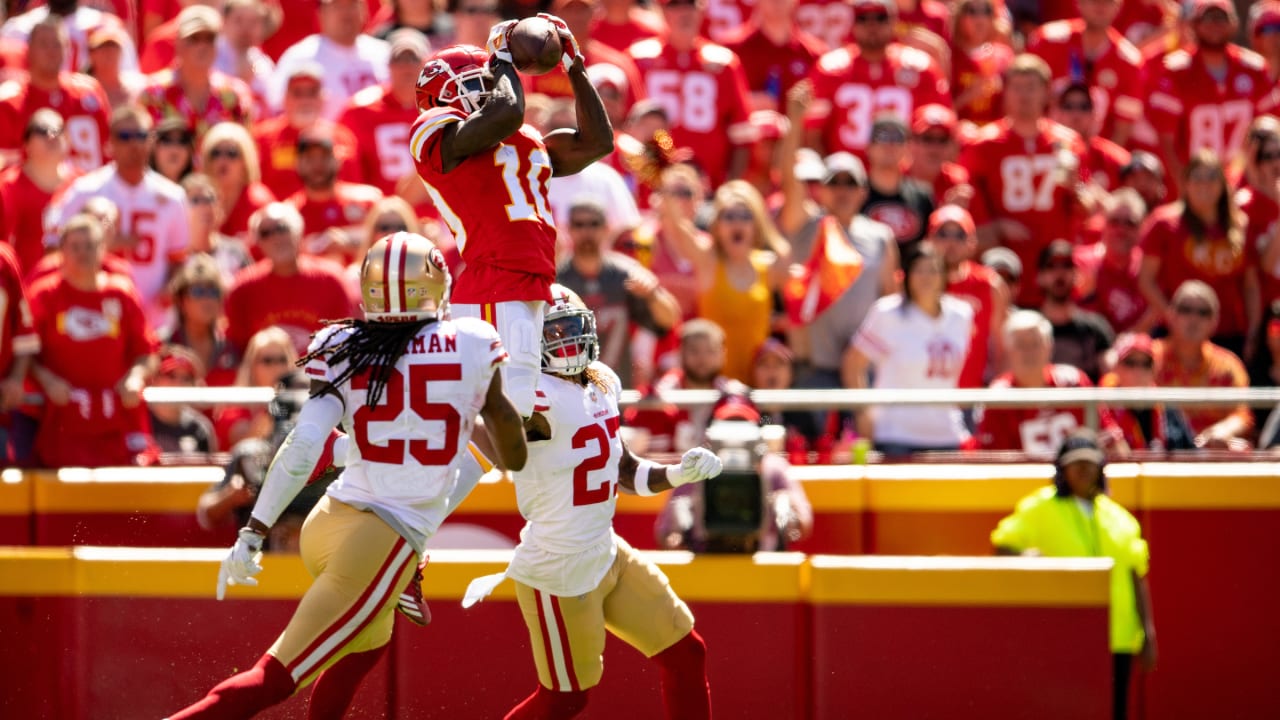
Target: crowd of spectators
(804, 193)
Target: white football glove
(241, 563)
(695, 465)
(568, 42)
(497, 44)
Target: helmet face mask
(457, 76)
(569, 340)
(404, 279)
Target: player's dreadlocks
(373, 346)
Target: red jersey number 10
(526, 190)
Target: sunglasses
(1197, 310)
(132, 135)
(586, 224)
(173, 139)
(844, 182)
(307, 92)
(1268, 156)
(1076, 107)
(736, 216)
(273, 360)
(180, 379)
(1138, 363)
(270, 230)
(1268, 29)
(1059, 265)
(478, 10)
(889, 138)
(390, 227)
(204, 292)
(1122, 222)
(951, 235)
(681, 193)
(48, 133)
(934, 138)
(983, 10)
(872, 19)
(200, 38)
(229, 153)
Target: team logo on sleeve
(1244, 84)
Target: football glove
(497, 45)
(568, 42)
(695, 465)
(241, 563)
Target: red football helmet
(456, 76)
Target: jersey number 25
(392, 405)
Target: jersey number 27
(583, 492)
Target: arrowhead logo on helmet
(457, 76)
(403, 279)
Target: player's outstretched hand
(567, 41)
(241, 563)
(497, 46)
(697, 465)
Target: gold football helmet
(403, 279)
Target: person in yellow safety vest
(1075, 518)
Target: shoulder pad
(836, 61)
(646, 49)
(712, 54)
(1056, 32)
(1177, 60)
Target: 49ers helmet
(569, 341)
(403, 279)
(456, 76)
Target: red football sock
(336, 687)
(243, 695)
(685, 692)
(546, 704)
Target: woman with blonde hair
(269, 356)
(680, 192)
(391, 214)
(1201, 236)
(736, 271)
(197, 289)
(229, 156)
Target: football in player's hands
(535, 46)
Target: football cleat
(412, 605)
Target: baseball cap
(1056, 250)
(861, 7)
(107, 33)
(933, 115)
(952, 214)
(410, 40)
(1263, 14)
(809, 166)
(735, 407)
(1200, 7)
(307, 71)
(320, 134)
(607, 74)
(843, 163)
(1002, 258)
(1142, 160)
(1080, 444)
(196, 19)
(888, 128)
(1130, 343)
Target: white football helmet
(569, 341)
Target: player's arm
(498, 119)
(505, 426)
(572, 149)
(645, 477)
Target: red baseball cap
(872, 6)
(735, 407)
(1130, 343)
(1200, 7)
(1263, 14)
(933, 115)
(952, 214)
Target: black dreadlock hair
(375, 346)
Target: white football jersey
(403, 457)
(910, 349)
(347, 70)
(153, 211)
(568, 489)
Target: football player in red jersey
(1204, 97)
(1024, 169)
(873, 75)
(79, 99)
(703, 89)
(1038, 432)
(1089, 50)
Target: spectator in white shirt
(352, 61)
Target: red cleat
(412, 605)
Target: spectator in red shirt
(933, 153)
(108, 216)
(180, 431)
(1188, 358)
(93, 413)
(980, 54)
(1202, 237)
(1112, 290)
(79, 99)
(106, 54)
(1145, 174)
(230, 158)
(623, 23)
(951, 230)
(294, 292)
(1103, 158)
(1081, 338)
(198, 290)
(173, 154)
(19, 343)
(1037, 432)
(277, 138)
(1264, 34)
(1161, 427)
(27, 189)
(268, 357)
(332, 210)
(1259, 200)
(472, 20)
(191, 89)
(776, 54)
